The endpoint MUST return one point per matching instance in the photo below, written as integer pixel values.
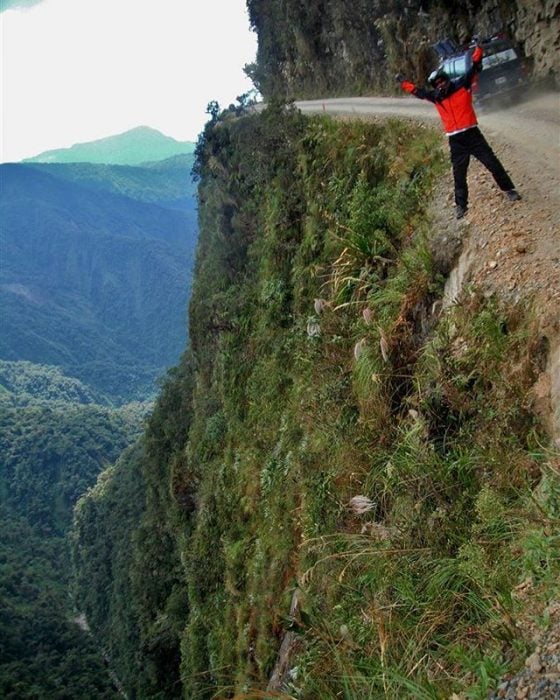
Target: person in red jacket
(453, 101)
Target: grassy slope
(301, 405)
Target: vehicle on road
(503, 70)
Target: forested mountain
(96, 265)
(166, 182)
(133, 147)
(28, 384)
(94, 281)
(51, 454)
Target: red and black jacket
(454, 104)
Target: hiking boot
(460, 211)
(513, 195)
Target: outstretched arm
(411, 88)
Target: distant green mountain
(139, 145)
(166, 182)
(96, 267)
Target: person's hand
(399, 77)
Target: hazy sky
(79, 70)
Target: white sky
(78, 70)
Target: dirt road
(533, 126)
(510, 249)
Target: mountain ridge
(156, 181)
(141, 144)
(90, 267)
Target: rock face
(537, 28)
(333, 47)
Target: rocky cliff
(335, 47)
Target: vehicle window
(457, 67)
(494, 59)
(496, 47)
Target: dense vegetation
(330, 433)
(52, 452)
(96, 269)
(24, 384)
(43, 651)
(50, 456)
(129, 578)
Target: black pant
(472, 143)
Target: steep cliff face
(335, 469)
(335, 47)
(339, 473)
